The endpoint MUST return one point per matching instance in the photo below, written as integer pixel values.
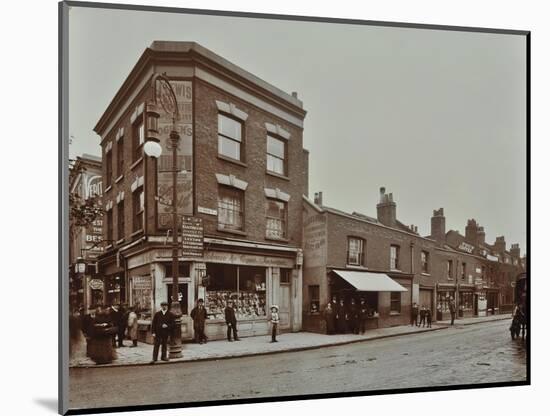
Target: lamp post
(165, 94)
(80, 269)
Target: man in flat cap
(163, 325)
(198, 314)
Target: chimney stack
(500, 245)
(318, 198)
(386, 209)
(480, 236)
(438, 226)
(471, 231)
(515, 251)
(294, 94)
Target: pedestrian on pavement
(133, 326)
(88, 327)
(162, 327)
(231, 321)
(341, 317)
(452, 309)
(274, 322)
(353, 314)
(329, 316)
(198, 314)
(363, 315)
(101, 348)
(414, 314)
(422, 316)
(428, 317)
(116, 315)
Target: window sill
(277, 175)
(425, 274)
(281, 240)
(226, 230)
(231, 160)
(108, 188)
(117, 180)
(136, 163)
(140, 231)
(120, 241)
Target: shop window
(276, 155)
(443, 298)
(467, 301)
(142, 295)
(109, 168)
(183, 270)
(138, 138)
(115, 290)
(395, 302)
(424, 261)
(182, 296)
(463, 272)
(109, 226)
(356, 251)
(120, 220)
(394, 257)
(120, 156)
(138, 206)
(449, 269)
(285, 275)
(244, 285)
(313, 291)
(230, 134)
(275, 219)
(230, 208)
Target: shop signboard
(96, 284)
(142, 282)
(192, 237)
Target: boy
(428, 317)
(422, 316)
(274, 322)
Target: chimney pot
(294, 94)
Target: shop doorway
(426, 299)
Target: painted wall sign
(466, 247)
(192, 237)
(248, 259)
(142, 282)
(315, 241)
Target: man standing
(414, 314)
(452, 309)
(116, 316)
(231, 321)
(163, 324)
(199, 317)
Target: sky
(436, 117)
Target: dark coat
(330, 315)
(163, 318)
(230, 317)
(363, 312)
(88, 325)
(198, 315)
(452, 306)
(414, 311)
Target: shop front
(466, 301)
(444, 294)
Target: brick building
(343, 252)
(243, 171)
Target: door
(426, 299)
(284, 306)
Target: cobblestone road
(464, 354)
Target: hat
(274, 306)
(163, 303)
(200, 300)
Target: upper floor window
(120, 220)
(230, 134)
(109, 226)
(276, 219)
(463, 271)
(424, 261)
(230, 208)
(109, 167)
(356, 252)
(138, 138)
(394, 257)
(138, 207)
(449, 269)
(120, 156)
(276, 155)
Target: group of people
(105, 329)
(343, 317)
(421, 316)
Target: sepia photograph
(263, 207)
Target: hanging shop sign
(96, 284)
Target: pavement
(261, 345)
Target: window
(394, 257)
(230, 209)
(183, 270)
(275, 213)
(138, 206)
(466, 300)
(138, 138)
(483, 272)
(463, 272)
(313, 291)
(109, 167)
(120, 220)
(276, 152)
(395, 302)
(424, 261)
(443, 298)
(355, 251)
(285, 276)
(110, 226)
(449, 269)
(120, 156)
(229, 137)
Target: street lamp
(165, 94)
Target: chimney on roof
(294, 94)
(515, 251)
(318, 198)
(471, 231)
(500, 245)
(438, 226)
(386, 209)
(480, 236)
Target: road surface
(478, 353)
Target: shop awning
(370, 282)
